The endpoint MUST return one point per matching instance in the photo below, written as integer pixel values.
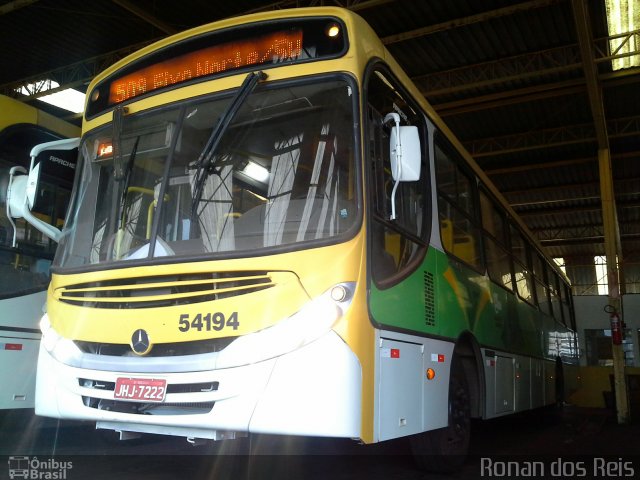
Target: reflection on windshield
(283, 172)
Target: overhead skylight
(560, 263)
(68, 99)
(623, 17)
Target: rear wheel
(554, 412)
(445, 449)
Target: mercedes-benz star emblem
(140, 343)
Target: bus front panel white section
(314, 390)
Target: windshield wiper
(125, 187)
(205, 164)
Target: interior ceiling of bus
(529, 87)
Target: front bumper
(312, 391)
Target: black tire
(554, 413)
(444, 450)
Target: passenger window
(542, 292)
(496, 253)
(556, 305)
(567, 307)
(522, 271)
(457, 210)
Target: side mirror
(18, 205)
(22, 189)
(406, 156)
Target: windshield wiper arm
(125, 187)
(205, 159)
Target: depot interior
(540, 92)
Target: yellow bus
(25, 253)
(271, 231)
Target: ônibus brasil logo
(32, 468)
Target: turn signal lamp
(431, 374)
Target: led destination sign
(220, 52)
(274, 48)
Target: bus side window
(496, 252)
(542, 290)
(555, 296)
(457, 207)
(522, 269)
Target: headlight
(60, 348)
(308, 324)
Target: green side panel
(409, 305)
(444, 297)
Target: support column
(612, 246)
(614, 255)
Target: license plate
(140, 389)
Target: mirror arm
(49, 230)
(12, 173)
(398, 148)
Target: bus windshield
(159, 184)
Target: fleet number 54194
(209, 321)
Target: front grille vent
(135, 408)
(177, 349)
(163, 291)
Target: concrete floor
(585, 443)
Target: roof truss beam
(586, 240)
(571, 232)
(556, 164)
(459, 22)
(595, 207)
(625, 186)
(146, 16)
(520, 67)
(550, 137)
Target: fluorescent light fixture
(68, 99)
(623, 17)
(257, 172)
